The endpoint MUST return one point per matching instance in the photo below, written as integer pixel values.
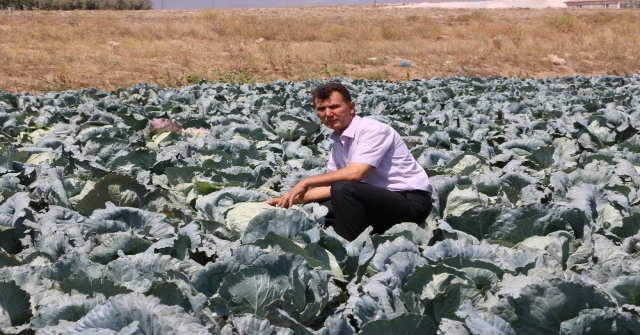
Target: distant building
(612, 4)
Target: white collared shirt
(372, 142)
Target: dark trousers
(354, 206)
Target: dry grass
(41, 51)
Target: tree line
(76, 4)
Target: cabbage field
(140, 211)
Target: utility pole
(162, 4)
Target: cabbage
(142, 211)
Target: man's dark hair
(323, 92)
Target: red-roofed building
(613, 4)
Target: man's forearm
(353, 172)
(317, 194)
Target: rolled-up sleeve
(373, 144)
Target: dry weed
(277, 55)
(59, 50)
(238, 56)
(515, 33)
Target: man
(371, 180)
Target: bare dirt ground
(54, 51)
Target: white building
(612, 4)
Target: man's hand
(315, 194)
(276, 201)
(272, 201)
(294, 196)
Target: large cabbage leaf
(541, 308)
(147, 313)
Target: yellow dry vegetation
(42, 51)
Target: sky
(195, 4)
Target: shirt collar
(350, 131)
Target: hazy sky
(193, 4)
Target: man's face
(334, 112)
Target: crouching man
(371, 180)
